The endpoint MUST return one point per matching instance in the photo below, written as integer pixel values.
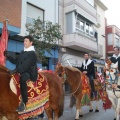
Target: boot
(21, 107)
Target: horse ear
(59, 64)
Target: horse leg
(49, 113)
(91, 107)
(118, 109)
(77, 109)
(56, 112)
(80, 113)
(97, 106)
(40, 118)
(113, 104)
(1, 116)
(12, 116)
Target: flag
(3, 43)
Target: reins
(65, 76)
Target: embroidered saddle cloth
(38, 96)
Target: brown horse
(73, 77)
(9, 101)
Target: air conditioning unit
(63, 49)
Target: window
(91, 30)
(110, 39)
(80, 25)
(87, 28)
(117, 41)
(34, 12)
(29, 20)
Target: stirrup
(21, 107)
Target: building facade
(99, 29)
(82, 30)
(112, 39)
(47, 10)
(13, 18)
(25, 11)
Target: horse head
(59, 70)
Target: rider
(88, 69)
(26, 67)
(116, 58)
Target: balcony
(80, 42)
(82, 7)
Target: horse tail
(61, 104)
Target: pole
(69, 63)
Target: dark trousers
(23, 86)
(91, 80)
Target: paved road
(69, 113)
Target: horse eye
(60, 75)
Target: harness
(64, 75)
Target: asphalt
(69, 113)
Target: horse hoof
(80, 115)
(114, 118)
(91, 110)
(96, 110)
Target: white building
(78, 19)
(99, 27)
(46, 9)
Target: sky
(113, 12)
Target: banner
(3, 43)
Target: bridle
(65, 77)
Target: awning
(12, 29)
(72, 60)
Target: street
(69, 113)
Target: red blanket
(38, 96)
(86, 90)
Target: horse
(73, 77)
(112, 77)
(9, 101)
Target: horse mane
(73, 69)
(3, 69)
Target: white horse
(113, 94)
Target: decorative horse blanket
(86, 90)
(38, 96)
